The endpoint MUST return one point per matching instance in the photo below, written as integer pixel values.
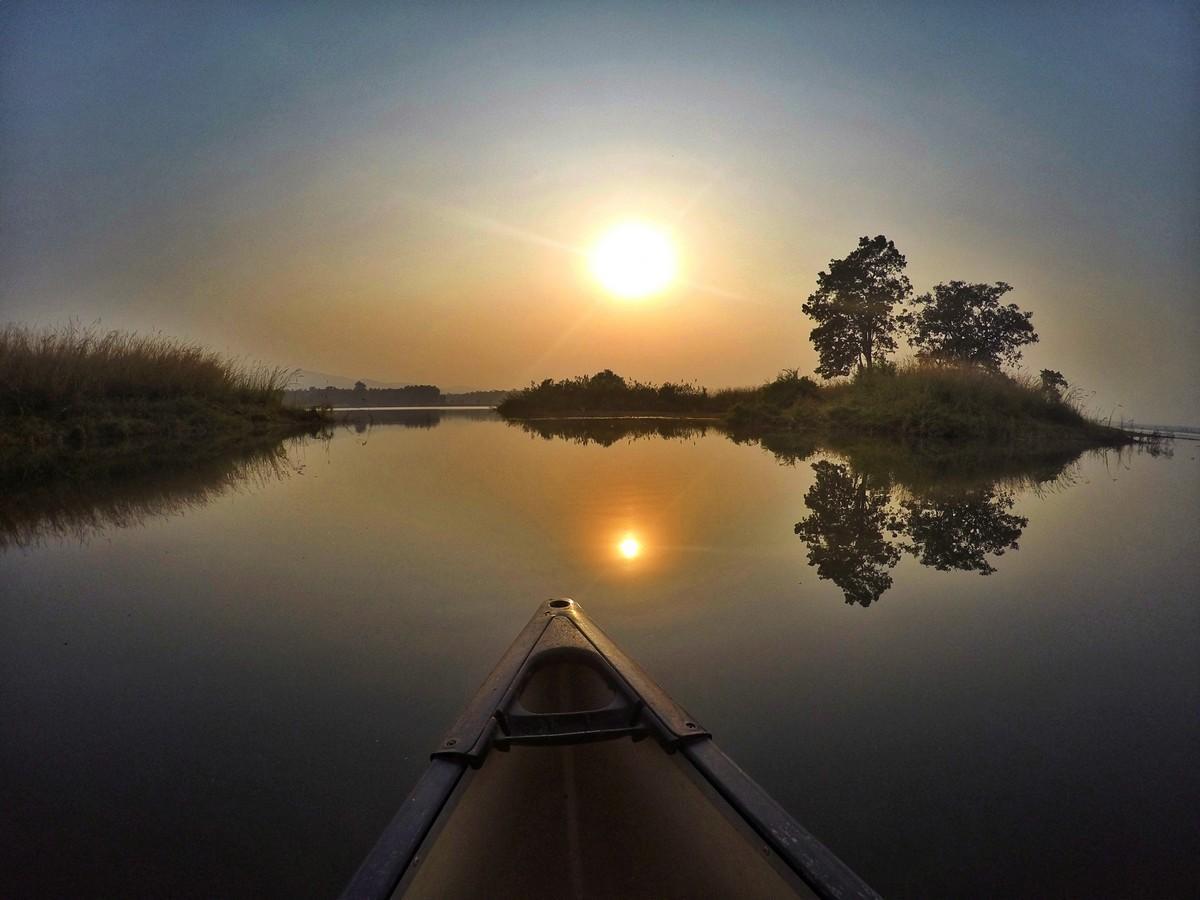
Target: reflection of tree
(958, 533)
(608, 431)
(856, 534)
(363, 420)
(845, 532)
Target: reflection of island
(949, 511)
(607, 431)
(127, 492)
(856, 530)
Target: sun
(633, 260)
(630, 547)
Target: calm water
(222, 682)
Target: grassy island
(73, 397)
(936, 404)
(953, 398)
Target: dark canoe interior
(616, 818)
(571, 774)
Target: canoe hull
(572, 774)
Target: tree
(966, 322)
(854, 307)
(608, 380)
(1054, 385)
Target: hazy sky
(401, 192)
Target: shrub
(788, 387)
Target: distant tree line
(476, 398)
(864, 303)
(361, 395)
(409, 395)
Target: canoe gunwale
(487, 723)
(815, 863)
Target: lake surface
(222, 681)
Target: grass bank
(78, 393)
(942, 406)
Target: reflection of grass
(78, 392)
(921, 467)
(100, 492)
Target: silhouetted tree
(844, 531)
(608, 380)
(854, 307)
(959, 533)
(966, 322)
(1054, 385)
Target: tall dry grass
(53, 368)
(921, 399)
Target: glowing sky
(406, 194)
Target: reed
(49, 369)
(79, 394)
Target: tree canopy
(967, 322)
(1054, 385)
(854, 307)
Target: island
(960, 387)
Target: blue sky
(395, 191)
